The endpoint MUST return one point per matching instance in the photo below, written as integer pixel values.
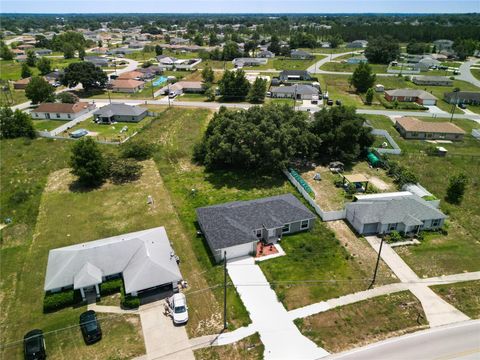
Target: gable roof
(295, 89)
(126, 83)
(143, 257)
(421, 94)
(409, 209)
(416, 125)
(294, 73)
(233, 223)
(130, 75)
(120, 110)
(62, 108)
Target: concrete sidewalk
(280, 336)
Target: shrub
(111, 287)
(60, 300)
(139, 150)
(129, 301)
(124, 170)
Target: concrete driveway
(278, 333)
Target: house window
(304, 224)
(58, 116)
(392, 227)
(414, 134)
(68, 115)
(258, 233)
(435, 222)
(286, 229)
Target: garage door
(428, 102)
(370, 228)
(240, 250)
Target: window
(435, 222)
(68, 115)
(392, 227)
(286, 229)
(58, 116)
(304, 224)
(414, 134)
(258, 233)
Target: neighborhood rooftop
(416, 125)
(62, 107)
(119, 109)
(422, 94)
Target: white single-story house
(61, 111)
(144, 259)
(236, 227)
(297, 91)
(386, 212)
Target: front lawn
(287, 63)
(465, 296)
(365, 322)
(249, 348)
(47, 125)
(345, 67)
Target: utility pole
(454, 105)
(378, 261)
(168, 94)
(294, 96)
(224, 290)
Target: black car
(34, 345)
(462, 106)
(91, 330)
(330, 102)
(338, 102)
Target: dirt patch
(378, 183)
(327, 196)
(60, 181)
(361, 251)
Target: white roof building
(145, 259)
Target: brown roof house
(413, 128)
(135, 75)
(411, 95)
(22, 83)
(183, 87)
(61, 111)
(127, 86)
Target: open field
(13, 97)
(11, 70)
(459, 250)
(344, 67)
(280, 63)
(364, 322)
(250, 348)
(464, 296)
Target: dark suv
(91, 330)
(34, 345)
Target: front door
(47, 115)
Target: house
(25, 47)
(357, 44)
(286, 75)
(432, 80)
(411, 95)
(295, 91)
(183, 87)
(443, 44)
(127, 86)
(357, 60)
(413, 128)
(21, 84)
(170, 62)
(97, 60)
(178, 41)
(149, 72)
(300, 55)
(426, 63)
(236, 227)
(241, 62)
(135, 75)
(61, 111)
(166, 60)
(18, 52)
(54, 76)
(42, 52)
(463, 97)
(379, 88)
(386, 212)
(266, 54)
(100, 50)
(144, 260)
(120, 113)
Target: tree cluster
(14, 124)
(382, 50)
(362, 78)
(233, 85)
(85, 73)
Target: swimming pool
(159, 81)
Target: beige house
(61, 111)
(127, 86)
(413, 128)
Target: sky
(239, 6)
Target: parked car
(178, 308)
(78, 133)
(330, 102)
(90, 326)
(34, 345)
(338, 102)
(462, 106)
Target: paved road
(466, 74)
(459, 341)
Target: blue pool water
(159, 81)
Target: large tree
(415, 47)
(382, 50)
(31, 58)
(5, 52)
(39, 90)
(25, 71)
(88, 163)
(341, 134)
(85, 73)
(44, 65)
(230, 51)
(260, 138)
(15, 124)
(362, 78)
(208, 75)
(234, 85)
(456, 188)
(257, 91)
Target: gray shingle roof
(143, 257)
(411, 210)
(294, 89)
(120, 110)
(233, 223)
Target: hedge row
(111, 287)
(60, 300)
(129, 301)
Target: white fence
(396, 149)
(324, 215)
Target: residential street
(466, 74)
(459, 341)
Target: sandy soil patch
(327, 196)
(378, 183)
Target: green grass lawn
(345, 67)
(249, 348)
(191, 97)
(453, 64)
(458, 251)
(109, 132)
(364, 322)
(48, 125)
(13, 97)
(280, 63)
(475, 72)
(11, 70)
(464, 296)
(329, 51)
(316, 268)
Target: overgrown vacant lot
(281, 63)
(364, 322)
(464, 296)
(458, 251)
(250, 348)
